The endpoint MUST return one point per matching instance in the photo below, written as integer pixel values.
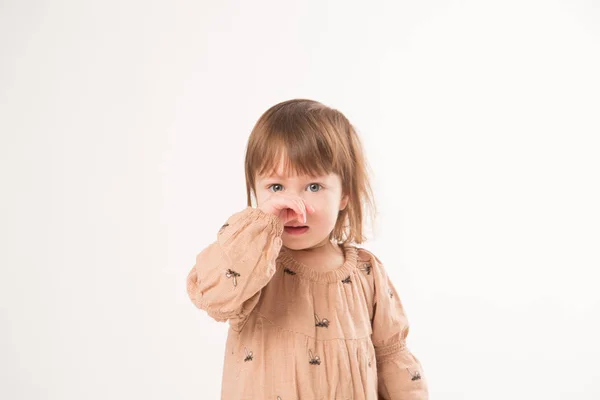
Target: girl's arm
(228, 275)
(400, 375)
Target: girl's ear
(344, 202)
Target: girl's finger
(305, 210)
(293, 206)
(301, 214)
(302, 211)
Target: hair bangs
(297, 155)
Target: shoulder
(372, 265)
(367, 262)
(365, 256)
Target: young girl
(311, 315)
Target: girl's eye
(312, 186)
(275, 184)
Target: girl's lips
(295, 230)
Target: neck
(323, 246)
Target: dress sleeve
(399, 372)
(229, 274)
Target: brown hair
(316, 140)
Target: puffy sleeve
(227, 279)
(399, 372)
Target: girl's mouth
(292, 230)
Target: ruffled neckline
(312, 273)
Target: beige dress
(297, 333)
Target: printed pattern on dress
(249, 355)
(324, 323)
(313, 360)
(366, 267)
(232, 274)
(225, 225)
(415, 376)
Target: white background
(123, 127)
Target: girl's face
(324, 193)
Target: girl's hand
(287, 207)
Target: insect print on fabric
(289, 271)
(347, 280)
(232, 274)
(324, 323)
(249, 355)
(366, 267)
(416, 376)
(223, 227)
(313, 360)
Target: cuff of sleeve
(251, 214)
(388, 352)
(273, 220)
